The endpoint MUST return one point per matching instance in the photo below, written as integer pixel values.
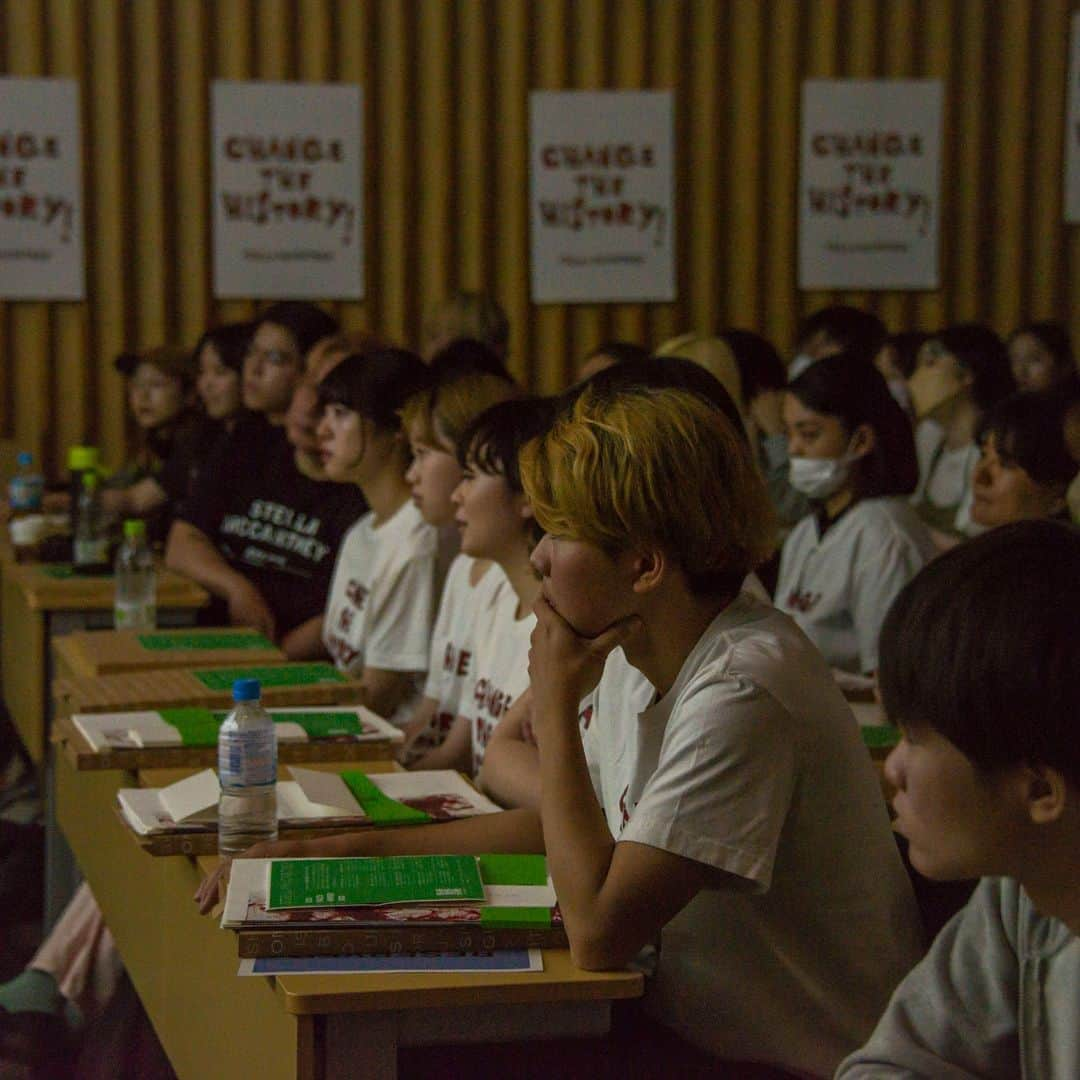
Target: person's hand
(213, 886)
(765, 410)
(248, 608)
(564, 666)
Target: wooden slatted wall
(446, 85)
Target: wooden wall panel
(446, 84)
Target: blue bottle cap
(25, 459)
(246, 690)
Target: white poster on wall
(41, 205)
(869, 189)
(288, 207)
(1072, 128)
(602, 216)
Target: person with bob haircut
(465, 314)
(962, 372)
(608, 353)
(390, 568)
(838, 328)
(434, 422)
(1024, 468)
(1041, 357)
(703, 782)
(853, 457)
(980, 668)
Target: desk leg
(353, 1045)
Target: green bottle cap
(134, 529)
(89, 480)
(82, 457)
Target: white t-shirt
(450, 665)
(752, 763)
(383, 595)
(838, 587)
(944, 491)
(501, 670)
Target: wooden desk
(90, 653)
(37, 608)
(212, 1023)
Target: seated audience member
(836, 329)
(1041, 357)
(980, 667)
(764, 379)
(391, 565)
(703, 782)
(465, 314)
(466, 356)
(497, 525)
(717, 357)
(608, 353)
(896, 360)
(161, 397)
(258, 533)
(1024, 468)
(434, 422)
(962, 372)
(853, 456)
(511, 767)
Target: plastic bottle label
(134, 616)
(247, 758)
(25, 492)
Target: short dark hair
(906, 345)
(467, 356)
(619, 351)
(856, 331)
(375, 384)
(760, 366)
(981, 647)
(306, 322)
(659, 373)
(1029, 430)
(856, 393)
(1054, 338)
(492, 440)
(231, 342)
(983, 353)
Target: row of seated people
(600, 653)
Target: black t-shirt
(270, 522)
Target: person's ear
(649, 568)
(862, 442)
(1045, 793)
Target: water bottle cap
(134, 529)
(89, 480)
(246, 690)
(25, 459)
(82, 457)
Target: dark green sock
(32, 991)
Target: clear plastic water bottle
(91, 547)
(135, 606)
(247, 769)
(26, 487)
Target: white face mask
(798, 365)
(818, 478)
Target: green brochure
(880, 736)
(395, 879)
(197, 727)
(170, 641)
(513, 869)
(278, 675)
(378, 806)
(325, 725)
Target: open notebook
(312, 798)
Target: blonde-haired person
(702, 779)
(465, 314)
(434, 421)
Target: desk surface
(110, 652)
(44, 592)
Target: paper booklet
(193, 727)
(347, 799)
(273, 894)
